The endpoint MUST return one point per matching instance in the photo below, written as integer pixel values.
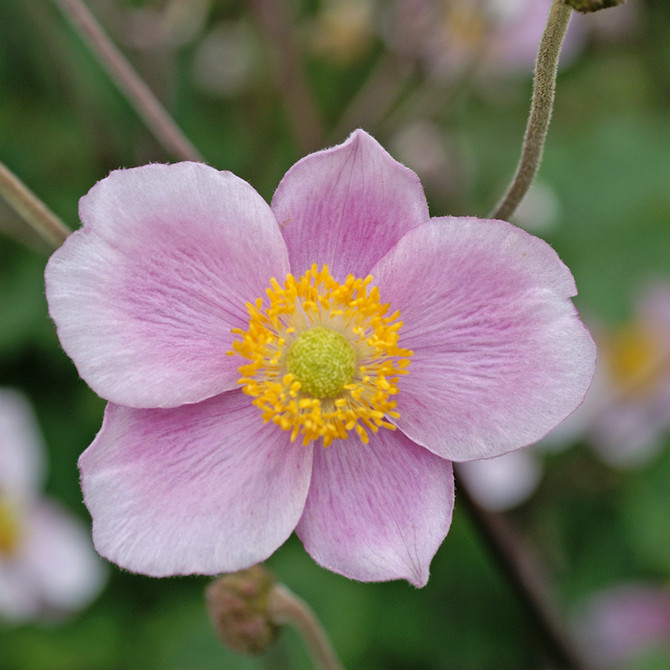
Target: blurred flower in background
(626, 627)
(628, 407)
(47, 564)
(449, 38)
(342, 31)
(502, 483)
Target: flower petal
(22, 450)
(145, 295)
(500, 355)
(379, 511)
(199, 489)
(64, 569)
(346, 206)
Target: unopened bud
(238, 608)
(586, 6)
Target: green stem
(542, 104)
(31, 209)
(129, 83)
(285, 607)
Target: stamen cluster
(354, 310)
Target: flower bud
(238, 608)
(586, 6)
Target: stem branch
(285, 607)
(129, 83)
(544, 87)
(31, 209)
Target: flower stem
(544, 87)
(31, 209)
(522, 570)
(129, 83)
(285, 607)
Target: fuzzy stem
(285, 607)
(522, 570)
(31, 209)
(129, 83)
(544, 87)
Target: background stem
(31, 209)
(285, 607)
(129, 83)
(523, 573)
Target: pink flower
(620, 625)
(451, 36)
(47, 564)
(236, 340)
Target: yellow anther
(322, 357)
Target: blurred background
(445, 87)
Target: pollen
(322, 358)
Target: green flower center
(322, 360)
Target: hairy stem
(286, 608)
(522, 570)
(31, 209)
(542, 103)
(129, 83)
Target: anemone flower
(47, 564)
(314, 365)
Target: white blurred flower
(47, 563)
(502, 483)
(226, 60)
(539, 210)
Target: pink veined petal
(145, 294)
(198, 489)
(379, 511)
(500, 355)
(346, 206)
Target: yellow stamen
(322, 357)
(636, 358)
(9, 528)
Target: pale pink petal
(145, 294)
(347, 206)
(199, 489)
(19, 600)
(22, 450)
(500, 355)
(65, 571)
(379, 511)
